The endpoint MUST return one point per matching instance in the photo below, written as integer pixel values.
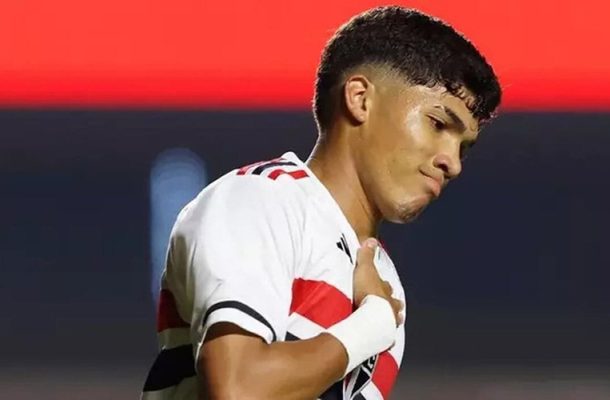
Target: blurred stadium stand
(508, 272)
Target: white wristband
(370, 330)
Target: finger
(366, 253)
(397, 305)
(401, 305)
(387, 287)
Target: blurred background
(114, 114)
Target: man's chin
(408, 213)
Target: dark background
(507, 275)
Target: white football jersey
(265, 247)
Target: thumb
(366, 253)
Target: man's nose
(450, 164)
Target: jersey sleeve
(238, 243)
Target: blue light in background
(176, 176)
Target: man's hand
(367, 280)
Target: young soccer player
(275, 286)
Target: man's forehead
(459, 103)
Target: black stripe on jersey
(243, 308)
(170, 368)
(335, 392)
(364, 377)
(258, 170)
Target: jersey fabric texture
(267, 248)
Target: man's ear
(357, 95)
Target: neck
(333, 164)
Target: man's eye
(438, 124)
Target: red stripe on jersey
(298, 174)
(167, 313)
(319, 302)
(244, 170)
(385, 373)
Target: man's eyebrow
(454, 117)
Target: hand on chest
(322, 295)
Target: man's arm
(235, 364)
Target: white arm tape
(370, 330)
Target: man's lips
(434, 184)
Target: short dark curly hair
(422, 49)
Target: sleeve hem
(242, 315)
(239, 314)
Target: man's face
(411, 146)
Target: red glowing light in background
(187, 53)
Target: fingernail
(371, 243)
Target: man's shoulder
(267, 188)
